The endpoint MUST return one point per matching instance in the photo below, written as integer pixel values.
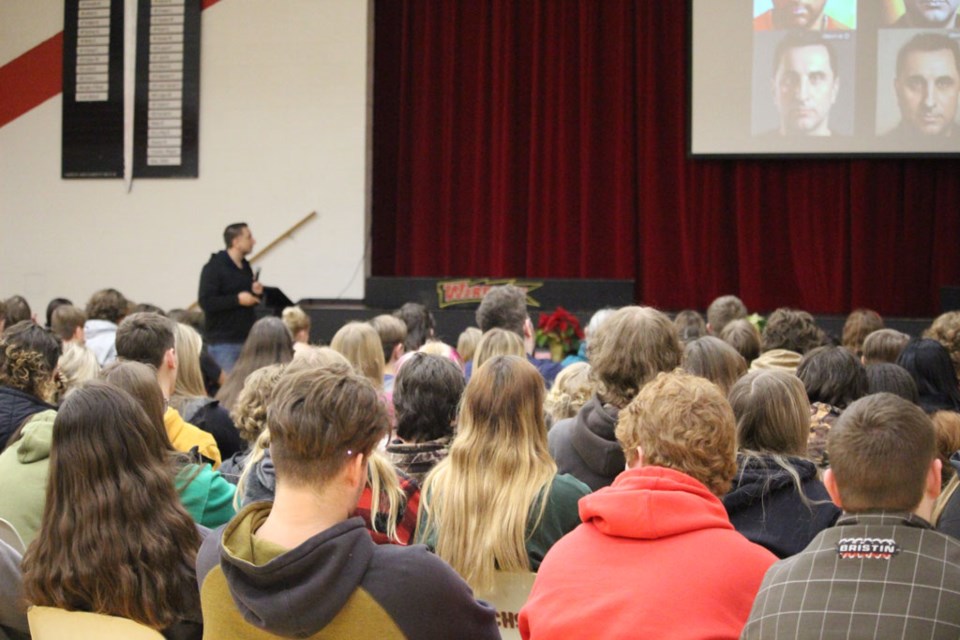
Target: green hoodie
(23, 470)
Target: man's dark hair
(16, 310)
(232, 231)
(65, 320)
(419, 323)
(797, 39)
(887, 377)
(426, 394)
(792, 330)
(929, 363)
(925, 42)
(833, 375)
(145, 337)
(52, 306)
(503, 307)
(109, 305)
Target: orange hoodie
(656, 557)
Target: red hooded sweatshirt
(655, 557)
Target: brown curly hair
(28, 359)
(792, 330)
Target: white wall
(283, 132)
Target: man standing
(797, 14)
(805, 84)
(228, 294)
(928, 85)
(300, 566)
(881, 571)
(929, 14)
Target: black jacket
(220, 282)
(766, 508)
(15, 407)
(585, 446)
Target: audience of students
(699, 471)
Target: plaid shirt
(876, 575)
(406, 518)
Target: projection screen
(824, 77)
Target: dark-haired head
(833, 375)
(426, 394)
(929, 363)
(887, 377)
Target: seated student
(881, 571)
(929, 363)
(656, 556)
(389, 502)
(571, 390)
(299, 566)
(497, 342)
(298, 324)
(892, 378)
(690, 326)
(250, 416)
(13, 615)
(715, 360)
(496, 502)
(67, 323)
(268, 342)
(16, 309)
(722, 311)
(392, 332)
(24, 466)
(360, 344)
(628, 350)
(190, 397)
(467, 343)
(833, 378)
(426, 395)
(28, 362)
(205, 494)
(777, 499)
(114, 538)
(858, 325)
(149, 338)
(743, 336)
(788, 335)
(945, 329)
(105, 309)
(883, 345)
(76, 365)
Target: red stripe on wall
(31, 79)
(36, 76)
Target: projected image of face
(928, 85)
(805, 88)
(930, 13)
(798, 14)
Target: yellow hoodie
(184, 437)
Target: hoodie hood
(782, 359)
(653, 502)
(95, 328)
(759, 477)
(37, 434)
(276, 589)
(594, 440)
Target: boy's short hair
(880, 451)
(503, 307)
(65, 320)
(392, 331)
(883, 345)
(109, 305)
(792, 330)
(682, 422)
(145, 337)
(318, 419)
(724, 310)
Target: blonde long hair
(360, 344)
(479, 500)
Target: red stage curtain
(547, 138)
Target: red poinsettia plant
(560, 331)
